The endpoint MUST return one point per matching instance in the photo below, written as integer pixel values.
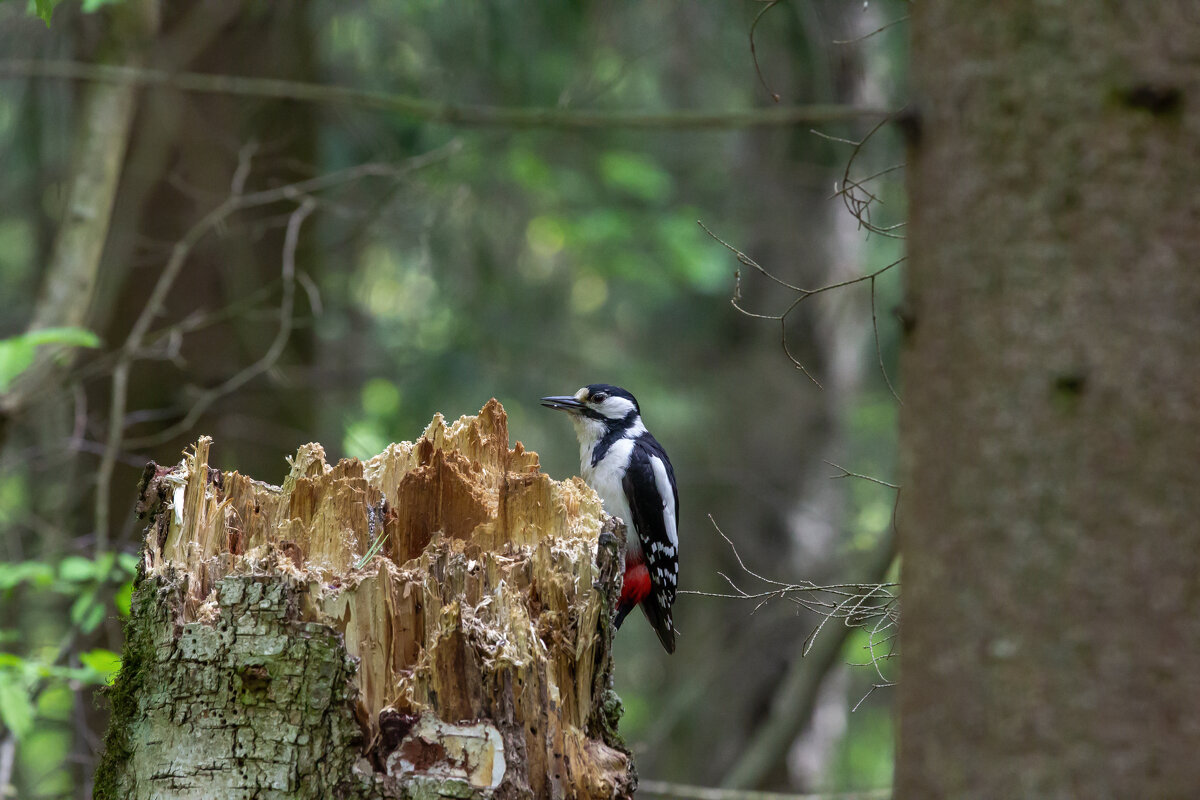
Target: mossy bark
(267, 656)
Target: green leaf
(72, 337)
(44, 9)
(104, 566)
(128, 562)
(16, 709)
(105, 662)
(11, 661)
(34, 572)
(86, 612)
(92, 6)
(123, 599)
(15, 357)
(76, 569)
(636, 175)
(17, 352)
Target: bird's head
(597, 409)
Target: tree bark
(1052, 413)
(267, 656)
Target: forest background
(347, 267)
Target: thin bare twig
(274, 351)
(879, 349)
(855, 604)
(132, 348)
(880, 29)
(801, 293)
(853, 191)
(768, 5)
(848, 474)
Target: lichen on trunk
(270, 653)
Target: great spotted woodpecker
(634, 478)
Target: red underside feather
(636, 587)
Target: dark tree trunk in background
(181, 165)
(1051, 424)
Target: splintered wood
(480, 625)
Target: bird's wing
(649, 485)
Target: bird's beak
(562, 403)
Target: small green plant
(92, 585)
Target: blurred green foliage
(519, 263)
(17, 352)
(95, 590)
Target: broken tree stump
(432, 622)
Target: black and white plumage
(630, 471)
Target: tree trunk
(1052, 413)
(468, 657)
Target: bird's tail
(660, 620)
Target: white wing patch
(668, 495)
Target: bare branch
(444, 113)
(880, 29)
(853, 191)
(133, 346)
(848, 474)
(268, 359)
(857, 605)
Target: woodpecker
(630, 471)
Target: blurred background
(345, 270)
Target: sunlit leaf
(86, 612)
(16, 709)
(123, 599)
(104, 565)
(72, 337)
(56, 702)
(76, 569)
(635, 174)
(44, 9)
(91, 6)
(105, 662)
(529, 170)
(33, 572)
(17, 352)
(545, 235)
(15, 357)
(11, 661)
(380, 398)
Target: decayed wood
(480, 629)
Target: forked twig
(802, 294)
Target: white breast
(606, 479)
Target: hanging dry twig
(767, 6)
(801, 295)
(873, 607)
(857, 199)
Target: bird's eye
(599, 397)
